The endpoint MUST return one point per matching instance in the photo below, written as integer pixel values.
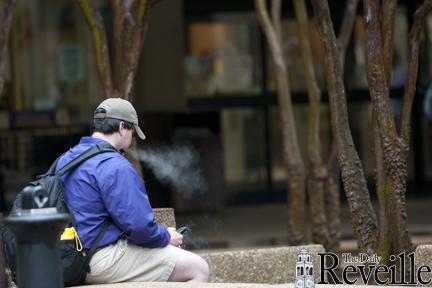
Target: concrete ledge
(212, 285)
(423, 255)
(265, 265)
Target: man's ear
(121, 127)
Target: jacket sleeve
(126, 200)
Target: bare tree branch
(333, 171)
(342, 44)
(383, 234)
(362, 214)
(332, 200)
(97, 28)
(119, 20)
(135, 44)
(317, 170)
(292, 156)
(410, 86)
(393, 149)
(346, 28)
(377, 81)
(276, 8)
(388, 17)
(6, 20)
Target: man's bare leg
(189, 268)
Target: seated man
(107, 188)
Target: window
(223, 56)
(244, 151)
(52, 58)
(355, 67)
(301, 118)
(293, 60)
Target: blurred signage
(32, 119)
(71, 62)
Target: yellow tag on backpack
(70, 233)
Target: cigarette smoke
(179, 167)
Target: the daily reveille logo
(361, 269)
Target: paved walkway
(266, 225)
(263, 226)
(210, 285)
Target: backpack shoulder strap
(93, 248)
(97, 149)
(51, 170)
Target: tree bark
(332, 193)
(381, 188)
(97, 28)
(362, 214)
(408, 99)
(276, 7)
(332, 200)
(291, 151)
(393, 149)
(346, 28)
(410, 86)
(388, 13)
(129, 28)
(317, 171)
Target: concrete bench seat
(275, 265)
(212, 285)
(242, 267)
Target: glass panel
(360, 123)
(301, 118)
(355, 61)
(360, 115)
(52, 58)
(426, 68)
(293, 58)
(400, 48)
(223, 56)
(244, 150)
(427, 132)
(355, 67)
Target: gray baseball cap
(120, 109)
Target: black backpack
(75, 263)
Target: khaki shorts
(124, 261)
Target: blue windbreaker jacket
(104, 188)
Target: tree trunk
(291, 151)
(362, 214)
(97, 29)
(6, 14)
(332, 200)
(332, 193)
(317, 170)
(394, 150)
(381, 188)
(408, 98)
(129, 29)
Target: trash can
(37, 230)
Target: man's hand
(176, 238)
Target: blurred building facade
(205, 80)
